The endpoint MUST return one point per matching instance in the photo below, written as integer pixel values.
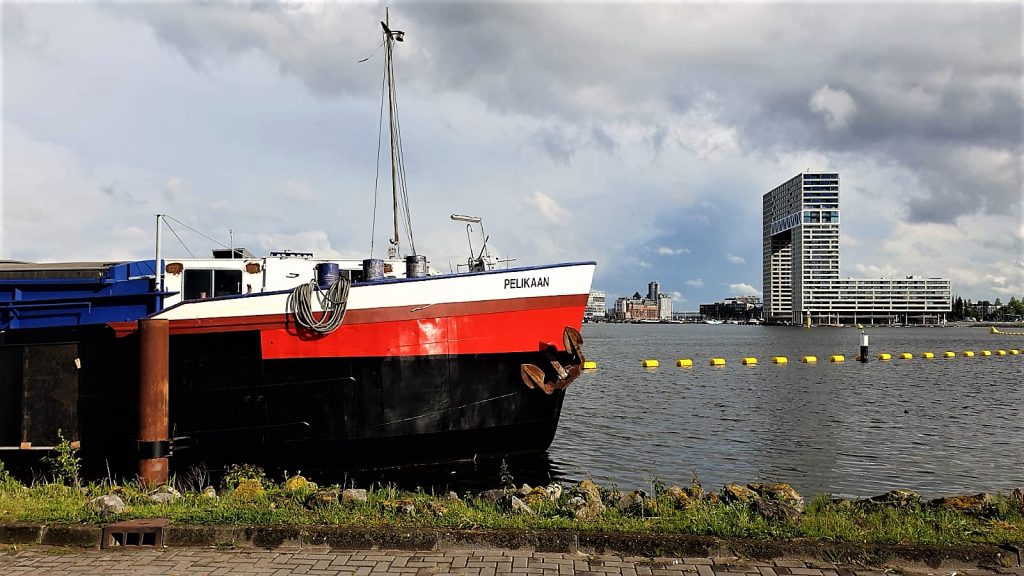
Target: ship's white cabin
(234, 272)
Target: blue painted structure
(116, 292)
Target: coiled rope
(333, 302)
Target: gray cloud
(603, 139)
(696, 109)
(927, 81)
(555, 143)
(313, 43)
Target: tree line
(984, 310)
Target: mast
(158, 268)
(390, 37)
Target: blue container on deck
(327, 274)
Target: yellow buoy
(986, 353)
(949, 354)
(1001, 352)
(809, 359)
(906, 356)
(684, 363)
(969, 353)
(836, 358)
(649, 363)
(750, 361)
(927, 355)
(717, 362)
(589, 365)
(885, 356)
(780, 360)
(1014, 352)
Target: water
(936, 426)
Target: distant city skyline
(638, 135)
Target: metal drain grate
(134, 533)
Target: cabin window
(226, 282)
(209, 283)
(198, 284)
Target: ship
(288, 360)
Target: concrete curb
(555, 541)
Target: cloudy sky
(640, 135)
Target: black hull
(228, 405)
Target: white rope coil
(333, 302)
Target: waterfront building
(655, 306)
(595, 310)
(664, 306)
(745, 308)
(800, 265)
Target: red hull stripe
(353, 317)
(432, 311)
(487, 333)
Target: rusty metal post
(153, 402)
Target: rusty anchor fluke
(561, 372)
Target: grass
(273, 505)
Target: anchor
(565, 371)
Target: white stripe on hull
(565, 280)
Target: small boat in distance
(710, 321)
(289, 360)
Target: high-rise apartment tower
(800, 265)
(801, 243)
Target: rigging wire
(173, 231)
(374, 53)
(376, 176)
(215, 241)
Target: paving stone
(323, 562)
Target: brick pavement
(38, 560)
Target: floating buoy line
(834, 358)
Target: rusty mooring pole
(153, 404)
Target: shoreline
(758, 521)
